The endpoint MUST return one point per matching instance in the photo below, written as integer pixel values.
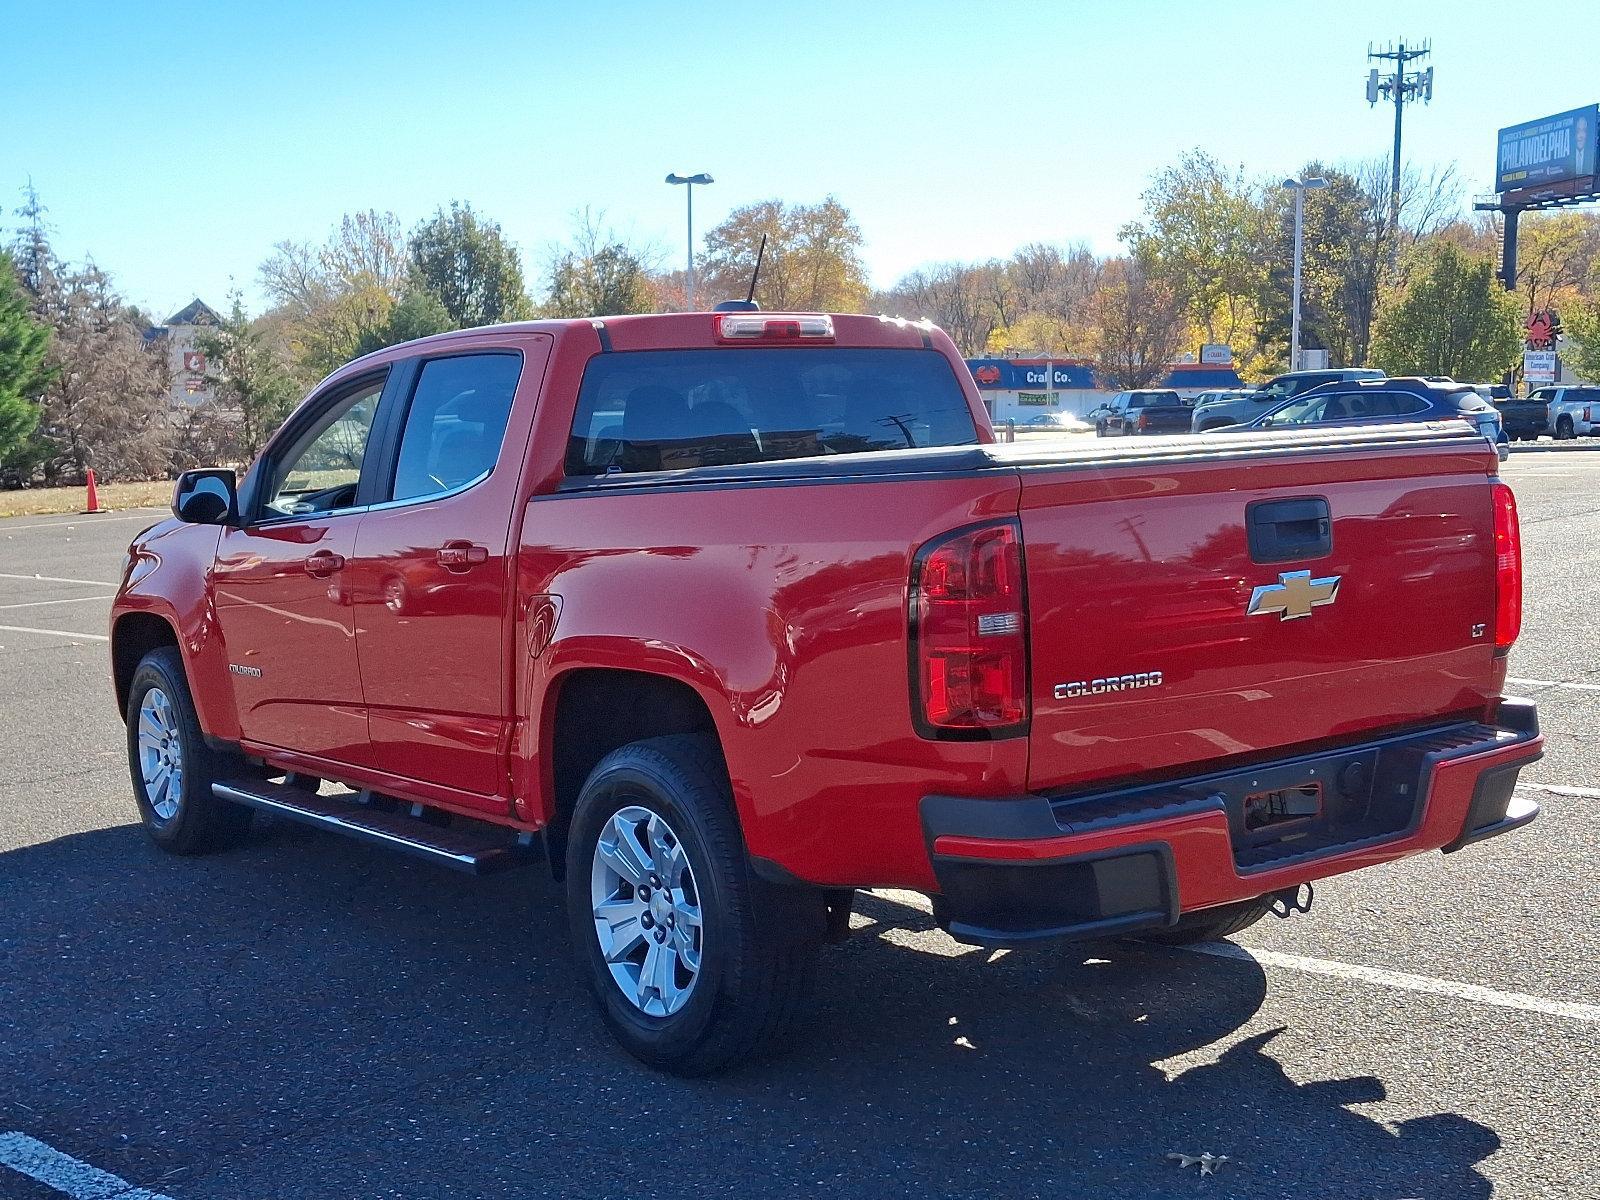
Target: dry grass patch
(34, 502)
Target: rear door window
(457, 416)
(672, 410)
(1366, 405)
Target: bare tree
(107, 406)
(294, 280)
(1138, 325)
(599, 272)
(954, 296)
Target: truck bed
(1136, 563)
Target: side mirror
(206, 497)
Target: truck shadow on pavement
(306, 1017)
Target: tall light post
(1299, 186)
(690, 181)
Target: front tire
(694, 960)
(171, 765)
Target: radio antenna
(750, 296)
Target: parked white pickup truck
(1573, 411)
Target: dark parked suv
(1245, 409)
(1387, 402)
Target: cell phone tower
(1401, 86)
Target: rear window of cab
(673, 410)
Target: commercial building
(1019, 389)
(179, 338)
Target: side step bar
(476, 848)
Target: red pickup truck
(727, 615)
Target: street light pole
(689, 181)
(1299, 186)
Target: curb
(1575, 446)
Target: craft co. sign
(1029, 375)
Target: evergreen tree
(254, 389)
(24, 369)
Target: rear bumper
(1014, 870)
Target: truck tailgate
(1166, 418)
(1152, 648)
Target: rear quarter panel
(784, 607)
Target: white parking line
(66, 633)
(1469, 992)
(1558, 683)
(63, 1173)
(149, 514)
(46, 603)
(58, 579)
(1558, 789)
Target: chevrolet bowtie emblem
(1294, 595)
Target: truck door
(281, 583)
(433, 573)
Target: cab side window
(455, 423)
(319, 472)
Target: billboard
(1550, 150)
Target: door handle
(1289, 530)
(459, 556)
(323, 563)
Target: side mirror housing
(207, 497)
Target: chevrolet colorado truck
(727, 615)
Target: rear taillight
(1507, 569)
(1144, 420)
(969, 635)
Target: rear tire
(1565, 431)
(173, 768)
(1210, 924)
(737, 964)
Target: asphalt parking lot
(309, 1017)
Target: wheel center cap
(660, 905)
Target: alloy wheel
(160, 754)
(647, 911)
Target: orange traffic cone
(94, 496)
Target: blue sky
(177, 144)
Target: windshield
(664, 410)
